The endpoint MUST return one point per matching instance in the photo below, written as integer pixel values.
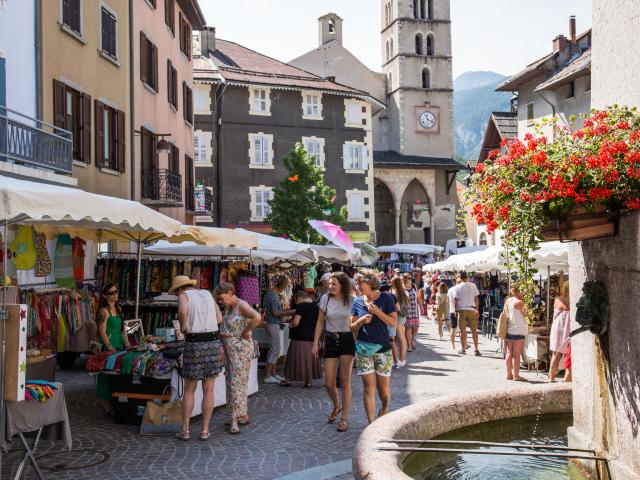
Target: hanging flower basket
(581, 225)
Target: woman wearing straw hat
(202, 358)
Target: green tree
(301, 197)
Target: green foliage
(301, 197)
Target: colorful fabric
(24, 248)
(64, 262)
(78, 253)
(43, 262)
(248, 288)
(379, 363)
(238, 354)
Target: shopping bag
(503, 321)
(162, 419)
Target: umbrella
(333, 233)
(368, 254)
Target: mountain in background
(474, 98)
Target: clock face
(427, 119)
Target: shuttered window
(261, 150)
(71, 15)
(172, 84)
(149, 164)
(148, 62)
(170, 14)
(200, 148)
(189, 184)
(261, 203)
(355, 157)
(187, 97)
(72, 111)
(174, 160)
(185, 36)
(110, 137)
(109, 33)
(355, 206)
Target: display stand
(219, 389)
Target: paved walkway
(288, 437)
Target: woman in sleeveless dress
(237, 324)
(559, 341)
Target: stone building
(556, 85)
(606, 383)
(251, 110)
(414, 169)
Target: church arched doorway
(415, 217)
(385, 214)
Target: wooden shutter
(99, 114)
(86, 128)
(184, 100)
(174, 72)
(169, 81)
(346, 157)
(257, 151)
(365, 158)
(265, 151)
(181, 31)
(144, 58)
(59, 104)
(154, 60)
(120, 141)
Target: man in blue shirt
(371, 314)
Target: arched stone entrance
(385, 214)
(415, 215)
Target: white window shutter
(257, 150)
(266, 144)
(267, 196)
(346, 157)
(258, 204)
(365, 158)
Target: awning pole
(139, 242)
(548, 292)
(3, 320)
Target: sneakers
(402, 363)
(271, 380)
(278, 377)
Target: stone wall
(607, 371)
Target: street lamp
(162, 146)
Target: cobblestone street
(288, 434)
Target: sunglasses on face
(112, 292)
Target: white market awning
(410, 248)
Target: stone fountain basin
(426, 420)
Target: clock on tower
(427, 119)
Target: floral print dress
(238, 353)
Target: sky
(498, 35)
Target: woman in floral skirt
(237, 324)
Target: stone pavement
(287, 436)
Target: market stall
(406, 257)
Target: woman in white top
(339, 344)
(517, 329)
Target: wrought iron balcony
(161, 188)
(29, 141)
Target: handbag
(162, 419)
(503, 321)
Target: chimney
(560, 43)
(331, 78)
(572, 29)
(207, 40)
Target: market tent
(410, 248)
(88, 215)
(270, 250)
(222, 237)
(333, 254)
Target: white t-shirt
(451, 293)
(337, 315)
(466, 294)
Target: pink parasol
(333, 233)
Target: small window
(423, 10)
(419, 44)
(416, 8)
(391, 47)
(72, 15)
(354, 114)
(110, 137)
(201, 100)
(148, 62)
(259, 101)
(109, 33)
(200, 148)
(426, 78)
(483, 239)
(170, 14)
(261, 149)
(571, 90)
(72, 111)
(355, 206)
(172, 84)
(185, 37)
(312, 105)
(187, 100)
(530, 114)
(315, 149)
(430, 45)
(261, 207)
(355, 157)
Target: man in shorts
(467, 307)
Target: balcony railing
(162, 188)
(28, 141)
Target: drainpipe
(132, 109)
(553, 107)
(218, 167)
(38, 49)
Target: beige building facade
(85, 67)
(162, 78)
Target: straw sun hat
(181, 281)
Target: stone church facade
(415, 198)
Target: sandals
(184, 436)
(334, 414)
(343, 426)
(285, 383)
(241, 421)
(204, 436)
(234, 428)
